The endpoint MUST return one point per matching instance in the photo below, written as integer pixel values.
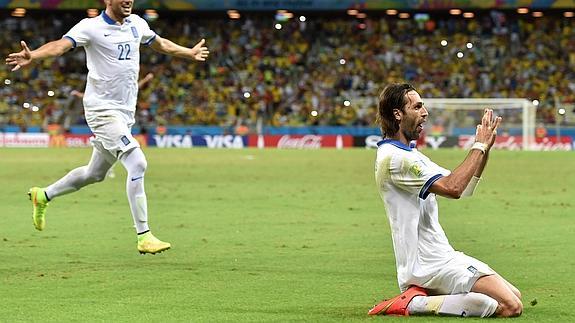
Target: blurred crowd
(320, 70)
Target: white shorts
(112, 132)
(457, 276)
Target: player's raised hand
(496, 123)
(487, 131)
(20, 59)
(200, 52)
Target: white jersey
(404, 176)
(112, 58)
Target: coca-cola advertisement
(516, 143)
(300, 141)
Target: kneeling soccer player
(433, 277)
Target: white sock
(77, 178)
(135, 163)
(469, 304)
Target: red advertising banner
(70, 141)
(516, 143)
(300, 141)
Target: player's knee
(511, 308)
(97, 177)
(140, 166)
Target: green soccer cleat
(147, 243)
(40, 203)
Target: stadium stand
(258, 72)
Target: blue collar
(107, 18)
(397, 144)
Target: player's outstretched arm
(26, 56)
(199, 52)
(454, 185)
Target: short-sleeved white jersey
(404, 176)
(113, 59)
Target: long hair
(392, 97)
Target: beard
(121, 12)
(411, 135)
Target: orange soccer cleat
(398, 304)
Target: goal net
(459, 117)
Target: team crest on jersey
(134, 32)
(415, 169)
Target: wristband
(470, 187)
(479, 146)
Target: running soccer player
(432, 276)
(112, 44)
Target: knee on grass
(512, 308)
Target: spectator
(315, 66)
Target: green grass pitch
(267, 235)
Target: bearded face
(413, 117)
(120, 8)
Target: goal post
(461, 113)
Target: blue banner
(188, 141)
